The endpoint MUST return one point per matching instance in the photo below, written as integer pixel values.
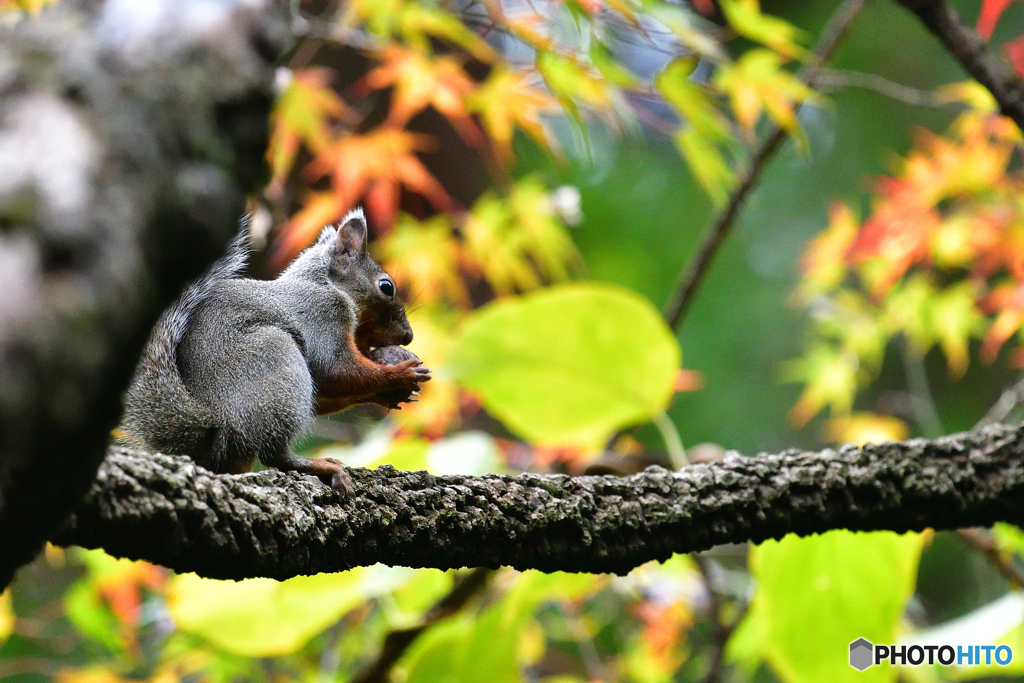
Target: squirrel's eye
(387, 287)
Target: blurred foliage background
(537, 174)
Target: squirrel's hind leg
(329, 470)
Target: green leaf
(746, 647)
(1009, 538)
(435, 655)
(91, 617)
(830, 376)
(955, 319)
(610, 68)
(908, 310)
(705, 129)
(424, 588)
(569, 365)
(816, 595)
(266, 618)
(573, 83)
(707, 163)
(692, 100)
(468, 650)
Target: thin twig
(836, 79)
(399, 640)
(690, 280)
(692, 277)
(722, 630)
(980, 539)
(1010, 398)
(923, 404)
(591, 658)
(984, 543)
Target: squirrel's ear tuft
(328, 233)
(352, 232)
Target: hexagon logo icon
(861, 654)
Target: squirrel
(238, 367)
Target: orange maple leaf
(122, 590)
(824, 263)
(375, 166)
(896, 237)
(664, 626)
(1007, 301)
(420, 81)
(302, 115)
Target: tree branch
(836, 79)
(691, 278)
(168, 510)
(973, 54)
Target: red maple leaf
(991, 10)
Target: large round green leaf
(818, 594)
(569, 365)
(267, 618)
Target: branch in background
(983, 542)
(398, 641)
(973, 54)
(114, 193)
(723, 630)
(1008, 400)
(835, 79)
(691, 278)
(168, 510)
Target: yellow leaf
(865, 428)
(745, 17)
(418, 21)
(301, 115)
(955, 319)
(7, 617)
(824, 263)
(830, 377)
(970, 93)
(572, 83)
(506, 100)
(517, 241)
(758, 81)
(438, 408)
(707, 163)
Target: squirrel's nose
(405, 338)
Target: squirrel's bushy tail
(184, 425)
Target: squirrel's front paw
(407, 373)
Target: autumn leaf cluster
(937, 263)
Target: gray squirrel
(238, 367)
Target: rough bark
(168, 510)
(129, 133)
(973, 54)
